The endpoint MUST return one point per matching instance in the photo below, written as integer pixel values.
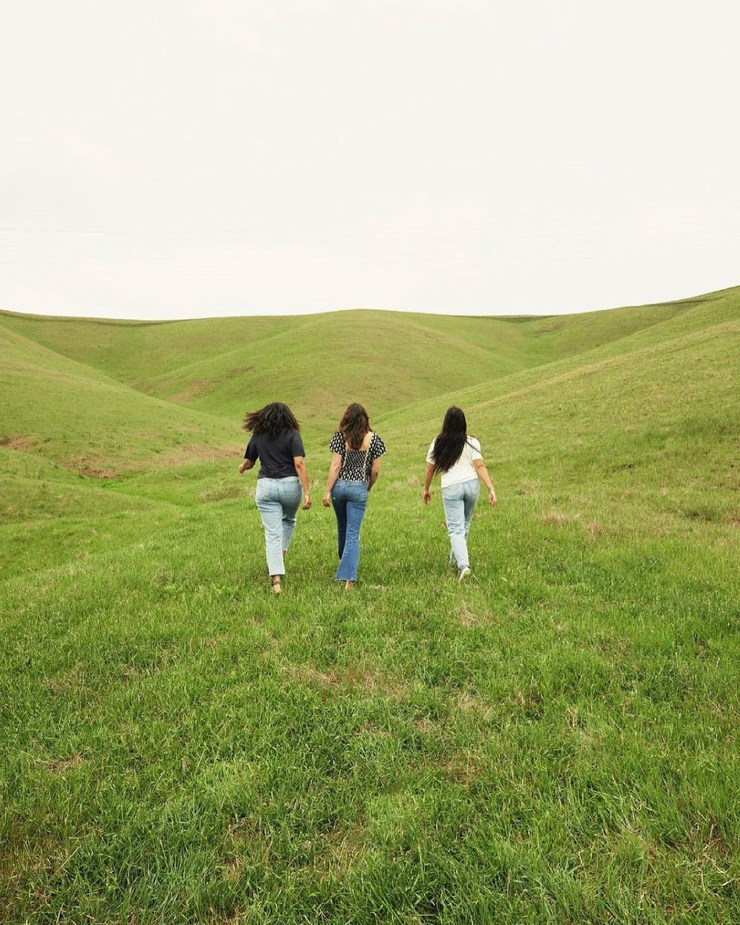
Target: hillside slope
(653, 429)
(319, 362)
(554, 740)
(697, 317)
(77, 416)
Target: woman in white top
(458, 457)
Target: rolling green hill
(75, 415)
(555, 741)
(223, 365)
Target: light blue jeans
(349, 500)
(278, 501)
(459, 502)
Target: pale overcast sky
(171, 159)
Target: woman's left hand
(492, 498)
(307, 501)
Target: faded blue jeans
(459, 502)
(278, 501)
(349, 500)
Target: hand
(242, 468)
(327, 500)
(427, 496)
(492, 498)
(307, 501)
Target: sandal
(276, 584)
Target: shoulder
(336, 444)
(252, 451)
(377, 447)
(473, 449)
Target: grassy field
(555, 741)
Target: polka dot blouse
(356, 464)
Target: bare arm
(483, 475)
(428, 483)
(300, 467)
(246, 464)
(374, 473)
(336, 465)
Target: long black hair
(354, 425)
(271, 419)
(451, 441)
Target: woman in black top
(276, 442)
(355, 466)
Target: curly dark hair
(271, 419)
(354, 425)
(450, 442)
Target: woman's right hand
(427, 496)
(327, 500)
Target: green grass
(555, 741)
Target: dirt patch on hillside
(356, 678)
(596, 528)
(69, 764)
(462, 768)
(223, 493)
(468, 702)
(91, 467)
(467, 617)
(16, 442)
(312, 675)
(193, 390)
(343, 850)
(99, 467)
(194, 452)
(558, 518)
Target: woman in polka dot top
(355, 466)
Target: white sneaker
(463, 573)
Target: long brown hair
(451, 441)
(271, 419)
(354, 425)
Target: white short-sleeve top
(463, 470)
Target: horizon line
(327, 311)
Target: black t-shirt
(275, 453)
